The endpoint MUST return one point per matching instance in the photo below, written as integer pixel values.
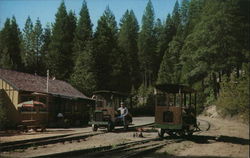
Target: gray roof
(34, 83)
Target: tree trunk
(214, 85)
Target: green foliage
(10, 45)
(145, 102)
(111, 65)
(60, 60)
(234, 97)
(32, 44)
(46, 39)
(83, 77)
(28, 54)
(127, 41)
(83, 31)
(147, 45)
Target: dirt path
(224, 139)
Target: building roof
(34, 83)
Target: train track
(130, 149)
(45, 141)
(23, 144)
(134, 149)
(125, 150)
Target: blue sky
(45, 10)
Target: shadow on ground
(166, 155)
(203, 139)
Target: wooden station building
(59, 97)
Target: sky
(45, 10)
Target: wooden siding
(12, 93)
(159, 110)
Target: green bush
(234, 97)
(143, 101)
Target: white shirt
(123, 111)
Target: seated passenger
(123, 112)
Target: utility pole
(47, 97)
(47, 81)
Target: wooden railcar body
(175, 109)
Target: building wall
(10, 101)
(10, 91)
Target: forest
(202, 43)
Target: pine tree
(83, 31)
(176, 17)
(83, 77)
(147, 46)
(164, 74)
(127, 41)
(46, 39)
(38, 42)
(10, 49)
(213, 43)
(28, 53)
(106, 50)
(60, 49)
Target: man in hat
(123, 112)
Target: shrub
(234, 97)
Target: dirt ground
(225, 138)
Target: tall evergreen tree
(105, 42)
(10, 46)
(83, 77)
(213, 43)
(184, 12)
(147, 46)
(127, 41)
(46, 39)
(28, 53)
(83, 31)
(61, 45)
(38, 42)
(176, 17)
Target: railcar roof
(174, 88)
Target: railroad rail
(23, 144)
(124, 150)
(45, 141)
(134, 149)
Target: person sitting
(123, 112)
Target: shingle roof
(34, 83)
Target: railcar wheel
(161, 132)
(172, 134)
(181, 133)
(94, 127)
(189, 133)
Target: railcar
(175, 110)
(105, 114)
